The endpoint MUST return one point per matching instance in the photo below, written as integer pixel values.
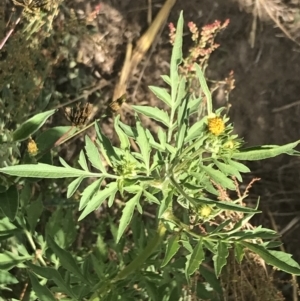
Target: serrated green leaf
(34, 211)
(211, 278)
(182, 111)
(139, 157)
(73, 186)
(22, 249)
(165, 202)
(150, 197)
(239, 166)
(204, 88)
(41, 291)
(181, 96)
(93, 155)
(226, 205)
(241, 223)
(210, 245)
(26, 194)
(9, 260)
(187, 276)
(162, 137)
(156, 145)
(127, 214)
(112, 198)
(182, 122)
(82, 161)
(181, 135)
(172, 248)
(280, 260)
(128, 130)
(106, 148)
(186, 244)
(152, 142)
(219, 177)
(265, 152)
(133, 189)
(98, 265)
(238, 252)
(154, 113)
(42, 170)
(171, 149)
(30, 126)
(208, 186)
(45, 272)
(151, 288)
(7, 278)
(259, 229)
(61, 227)
(176, 58)
(98, 199)
(139, 208)
(54, 275)
(9, 203)
(196, 130)
(88, 272)
(166, 79)
(66, 259)
(228, 170)
(89, 192)
(125, 144)
(272, 244)
(144, 145)
(220, 258)
(6, 225)
(162, 94)
(64, 163)
(194, 104)
(261, 233)
(220, 227)
(196, 258)
(69, 229)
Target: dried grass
(249, 280)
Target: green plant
(183, 175)
(23, 68)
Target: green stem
(37, 252)
(134, 265)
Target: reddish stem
(4, 40)
(58, 142)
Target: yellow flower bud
(229, 144)
(32, 148)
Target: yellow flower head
(32, 148)
(216, 125)
(229, 144)
(205, 211)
